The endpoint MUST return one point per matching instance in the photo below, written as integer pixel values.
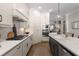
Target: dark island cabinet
(54, 47)
(57, 49)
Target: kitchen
(39, 29)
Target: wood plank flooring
(40, 49)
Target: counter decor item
(69, 34)
(14, 30)
(66, 35)
(52, 28)
(22, 30)
(26, 32)
(75, 25)
(0, 18)
(10, 35)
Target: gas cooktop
(19, 37)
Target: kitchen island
(70, 44)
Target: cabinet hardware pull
(18, 47)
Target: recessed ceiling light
(50, 10)
(39, 7)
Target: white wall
(37, 19)
(35, 25)
(71, 17)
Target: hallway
(40, 49)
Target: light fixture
(22, 29)
(39, 7)
(50, 10)
(58, 12)
(58, 16)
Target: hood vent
(18, 19)
(18, 16)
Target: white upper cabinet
(6, 13)
(7, 10)
(21, 10)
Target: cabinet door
(29, 43)
(6, 12)
(31, 39)
(54, 47)
(25, 47)
(19, 50)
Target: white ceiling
(64, 7)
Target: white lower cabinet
(21, 49)
(17, 51)
(26, 46)
(29, 42)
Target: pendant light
(58, 12)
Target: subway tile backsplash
(3, 32)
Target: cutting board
(10, 35)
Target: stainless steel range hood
(17, 18)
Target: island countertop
(70, 43)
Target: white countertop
(9, 44)
(71, 43)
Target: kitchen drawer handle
(18, 47)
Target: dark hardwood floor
(40, 49)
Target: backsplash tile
(4, 32)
